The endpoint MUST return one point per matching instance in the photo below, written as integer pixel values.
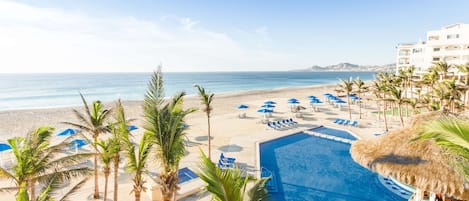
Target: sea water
(24, 91)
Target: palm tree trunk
(209, 140)
(349, 110)
(359, 105)
(106, 179)
(384, 116)
(95, 165)
(137, 195)
(378, 106)
(32, 183)
(116, 174)
(400, 115)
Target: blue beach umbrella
(312, 97)
(327, 94)
(67, 131)
(267, 106)
(340, 101)
(265, 111)
(315, 101)
(4, 147)
(292, 99)
(77, 143)
(242, 106)
(132, 127)
(270, 102)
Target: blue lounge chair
(282, 124)
(276, 125)
(347, 122)
(228, 159)
(337, 120)
(341, 121)
(354, 124)
(293, 122)
(271, 125)
(286, 122)
(225, 165)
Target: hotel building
(450, 44)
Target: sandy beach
(234, 136)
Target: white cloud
(37, 39)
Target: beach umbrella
(265, 111)
(67, 131)
(268, 106)
(339, 101)
(270, 102)
(132, 127)
(292, 99)
(77, 144)
(242, 106)
(315, 101)
(312, 97)
(3, 147)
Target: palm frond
(259, 192)
(73, 190)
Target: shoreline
(227, 94)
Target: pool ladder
(271, 183)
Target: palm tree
(230, 184)
(37, 161)
(380, 92)
(137, 156)
(164, 122)
(106, 148)
(361, 88)
(347, 87)
(454, 91)
(431, 78)
(206, 99)
(94, 123)
(120, 131)
(443, 68)
(398, 98)
(464, 68)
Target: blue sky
(243, 35)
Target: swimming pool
(306, 167)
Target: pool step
(330, 137)
(270, 184)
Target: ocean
(25, 91)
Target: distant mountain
(349, 67)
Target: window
(436, 59)
(436, 49)
(452, 36)
(433, 38)
(417, 50)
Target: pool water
(306, 167)
(185, 175)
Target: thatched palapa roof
(420, 163)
